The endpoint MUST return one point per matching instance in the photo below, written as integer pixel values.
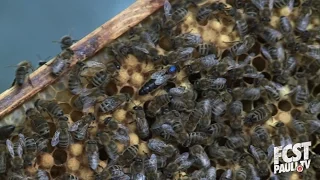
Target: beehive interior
(135, 72)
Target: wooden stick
(85, 48)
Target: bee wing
(167, 9)
(182, 157)
(157, 74)
(75, 126)
(177, 91)
(20, 150)
(162, 79)
(153, 160)
(22, 139)
(146, 36)
(142, 49)
(211, 173)
(270, 5)
(314, 125)
(10, 147)
(209, 60)
(55, 138)
(184, 53)
(259, 3)
(254, 152)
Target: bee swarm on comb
(201, 89)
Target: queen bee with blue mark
(159, 79)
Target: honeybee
(283, 3)
(157, 103)
(111, 103)
(235, 142)
(128, 155)
(194, 138)
(219, 130)
(300, 129)
(122, 134)
(260, 137)
(66, 41)
(310, 35)
(243, 47)
(193, 119)
(92, 153)
(6, 131)
(49, 106)
(241, 173)
(103, 76)
(204, 13)
(112, 172)
(136, 169)
(109, 144)
(251, 94)
(205, 49)
(141, 122)
(226, 175)
(17, 162)
(300, 94)
(151, 168)
(312, 51)
(58, 66)
(173, 16)
(263, 159)
(62, 136)
(285, 26)
(273, 53)
(111, 123)
(265, 7)
(235, 108)
(161, 148)
(74, 82)
(181, 162)
(121, 49)
(281, 136)
(3, 158)
(84, 101)
(203, 63)
(186, 40)
(270, 35)
(42, 143)
(313, 106)
(303, 20)
(273, 90)
(258, 115)
(80, 127)
(21, 73)
(201, 157)
(38, 122)
(179, 56)
(30, 149)
(213, 84)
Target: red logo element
(300, 168)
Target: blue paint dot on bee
(172, 69)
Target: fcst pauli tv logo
(295, 163)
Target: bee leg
(14, 82)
